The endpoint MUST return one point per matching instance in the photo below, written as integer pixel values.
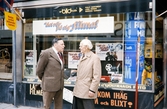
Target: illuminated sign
(96, 8)
(79, 9)
(88, 9)
(74, 26)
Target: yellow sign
(10, 20)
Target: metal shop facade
(129, 36)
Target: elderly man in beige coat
(88, 77)
(50, 71)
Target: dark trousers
(79, 103)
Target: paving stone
(11, 106)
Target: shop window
(5, 59)
(5, 51)
(118, 51)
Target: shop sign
(10, 20)
(108, 98)
(74, 26)
(116, 99)
(110, 85)
(86, 9)
(33, 94)
(80, 9)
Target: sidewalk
(11, 106)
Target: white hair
(87, 42)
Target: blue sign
(134, 28)
(135, 16)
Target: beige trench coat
(88, 76)
(49, 70)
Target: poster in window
(109, 49)
(73, 59)
(111, 56)
(29, 65)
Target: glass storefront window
(5, 52)
(6, 58)
(120, 52)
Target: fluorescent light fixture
(52, 3)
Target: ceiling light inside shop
(50, 3)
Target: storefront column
(153, 40)
(165, 61)
(19, 51)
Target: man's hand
(91, 94)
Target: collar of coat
(53, 54)
(88, 54)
